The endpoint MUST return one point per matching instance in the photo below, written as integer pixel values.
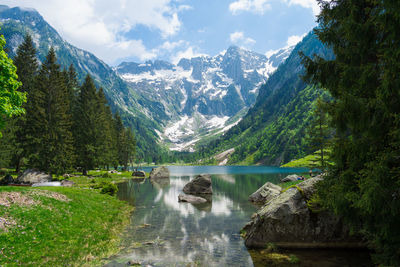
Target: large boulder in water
(199, 185)
(33, 176)
(160, 172)
(289, 178)
(288, 222)
(265, 193)
(138, 174)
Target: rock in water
(33, 176)
(288, 222)
(265, 193)
(289, 178)
(191, 199)
(138, 174)
(160, 172)
(199, 185)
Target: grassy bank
(58, 226)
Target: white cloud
(239, 38)
(255, 6)
(312, 4)
(294, 39)
(169, 46)
(190, 52)
(99, 25)
(260, 6)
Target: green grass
(99, 176)
(309, 161)
(80, 232)
(289, 184)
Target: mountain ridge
(201, 96)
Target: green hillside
(16, 23)
(273, 131)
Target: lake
(165, 232)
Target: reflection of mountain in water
(183, 233)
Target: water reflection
(182, 233)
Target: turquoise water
(164, 232)
(177, 234)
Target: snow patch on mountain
(197, 97)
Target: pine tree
(363, 79)
(318, 132)
(49, 120)
(128, 147)
(86, 129)
(120, 137)
(106, 143)
(27, 67)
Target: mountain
(183, 105)
(273, 130)
(203, 96)
(16, 22)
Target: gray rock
(287, 222)
(289, 178)
(191, 199)
(199, 185)
(160, 172)
(67, 183)
(33, 176)
(265, 193)
(138, 174)
(8, 179)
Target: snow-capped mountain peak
(200, 96)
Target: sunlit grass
(79, 232)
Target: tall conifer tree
(27, 68)
(363, 78)
(86, 129)
(50, 121)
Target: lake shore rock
(265, 193)
(288, 222)
(139, 174)
(8, 179)
(201, 184)
(33, 176)
(67, 183)
(191, 199)
(159, 172)
(289, 178)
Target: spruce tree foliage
(66, 125)
(86, 129)
(51, 146)
(318, 132)
(364, 184)
(27, 68)
(128, 145)
(107, 135)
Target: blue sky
(139, 30)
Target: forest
(62, 125)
